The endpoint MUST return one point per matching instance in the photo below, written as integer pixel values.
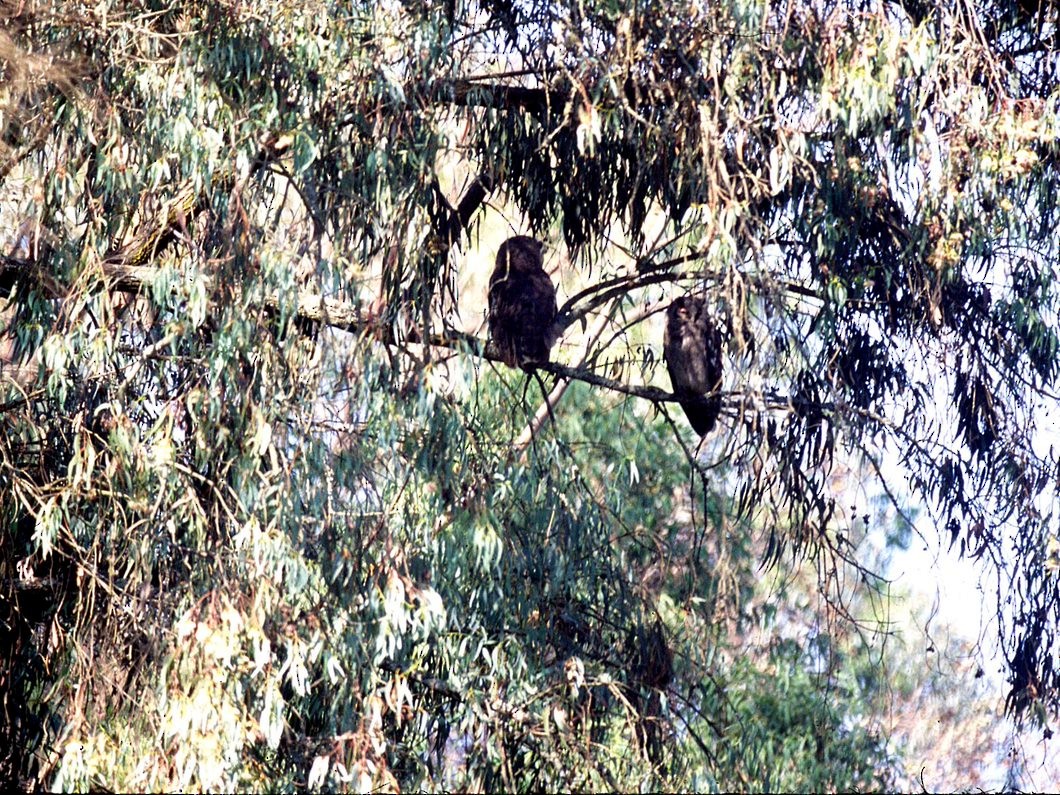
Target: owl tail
(533, 351)
(702, 413)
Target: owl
(522, 304)
(692, 349)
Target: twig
(553, 397)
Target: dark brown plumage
(522, 304)
(692, 349)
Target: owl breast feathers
(692, 349)
(522, 304)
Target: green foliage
(269, 515)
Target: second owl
(692, 349)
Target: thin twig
(553, 397)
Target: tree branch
(348, 317)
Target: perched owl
(522, 304)
(692, 348)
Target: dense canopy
(274, 512)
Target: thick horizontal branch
(538, 99)
(507, 97)
(738, 400)
(348, 317)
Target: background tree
(267, 517)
